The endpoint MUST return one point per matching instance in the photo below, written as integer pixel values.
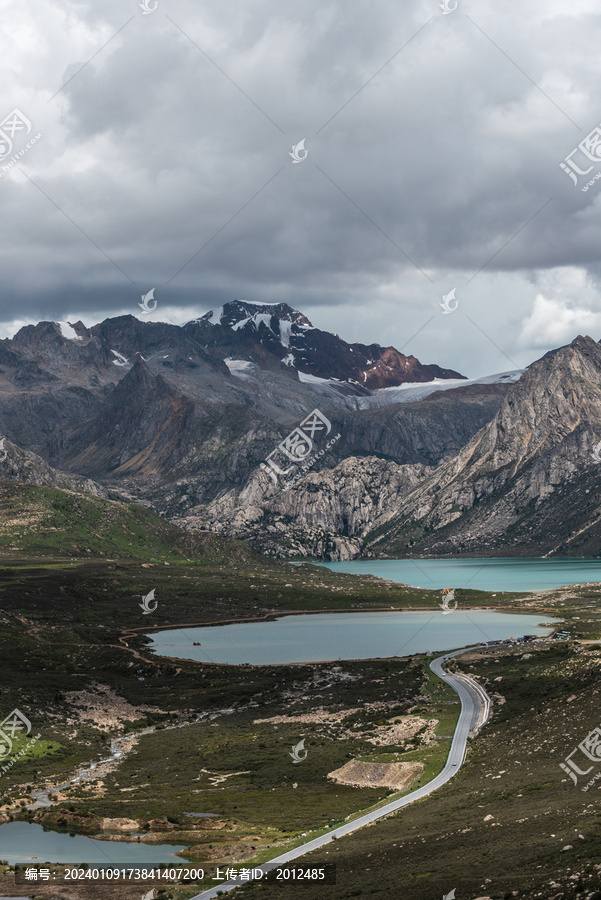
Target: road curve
(475, 708)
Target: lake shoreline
(344, 645)
(146, 631)
(317, 612)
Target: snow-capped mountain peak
(280, 331)
(239, 313)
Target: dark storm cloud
(434, 144)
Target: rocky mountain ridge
(529, 479)
(169, 417)
(24, 467)
(178, 417)
(525, 484)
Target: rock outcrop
(528, 482)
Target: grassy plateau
(213, 771)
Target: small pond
(23, 842)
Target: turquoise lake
(22, 842)
(478, 574)
(333, 636)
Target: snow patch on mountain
(406, 393)
(285, 331)
(256, 320)
(68, 332)
(241, 368)
(121, 360)
(410, 393)
(263, 318)
(314, 379)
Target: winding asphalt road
(475, 709)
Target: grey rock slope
(527, 483)
(325, 515)
(329, 513)
(21, 465)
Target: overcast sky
(433, 148)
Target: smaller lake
(333, 636)
(22, 842)
(479, 574)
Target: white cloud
(554, 322)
